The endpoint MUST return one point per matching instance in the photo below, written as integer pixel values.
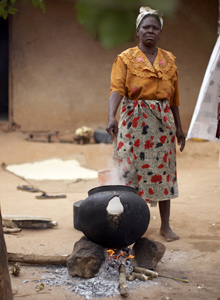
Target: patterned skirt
(146, 149)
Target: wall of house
(60, 75)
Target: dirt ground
(195, 217)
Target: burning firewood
(152, 274)
(139, 276)
(123, 287)
(145, 272)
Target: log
(134, 276)
(5, 283)
(123, 287)
(130, 277)
(139, 276)
(153, 274)
(145, 272)
(38, 259)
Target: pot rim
(107, 188)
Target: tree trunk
(5, 283)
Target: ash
(105, 284)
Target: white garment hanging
(204, 120)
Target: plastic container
(105, 176)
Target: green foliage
(112, 22)
(107, 20)
(89, 17)
(7, 7)
(40, 3)
(116, 28)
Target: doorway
(4, 56)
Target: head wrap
(144, 11)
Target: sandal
(46, 196)
(28, 188)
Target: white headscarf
(148, 11)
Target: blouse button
(156, 79)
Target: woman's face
(149, 31)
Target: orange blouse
(135, 77)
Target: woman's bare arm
(112, 126)
(179, 132)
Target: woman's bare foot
(165, 229)
(169, 235)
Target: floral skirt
(146, 149)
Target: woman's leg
(165, 230)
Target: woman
(146, 78)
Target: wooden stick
(155, 274)
(130, 277)
(145, 272)
(179, 279)
(134, 276)
(37, 259)
(140, 276)
(123, 287)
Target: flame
(110, 252)
(130, 256)
(122, 254)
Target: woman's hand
(180, 138)
(112, 128)
(179, 132)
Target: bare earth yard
(195, 217)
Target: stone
(147, 253)
(86, 259)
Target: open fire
(121, 259)
(116, 276)
(104, 284)
(121, 255)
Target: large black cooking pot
(114, 216)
